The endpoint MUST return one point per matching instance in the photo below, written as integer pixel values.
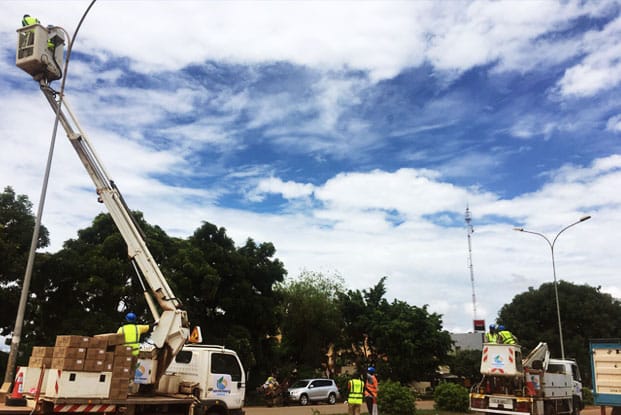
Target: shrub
(394, 399)
(451, 397)
(587, 396)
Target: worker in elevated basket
(133, 331)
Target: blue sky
(350, 134)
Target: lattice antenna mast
(470, 231)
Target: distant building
(467, 341)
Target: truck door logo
(221, 383)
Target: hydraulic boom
(35, 56)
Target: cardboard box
(39, 362)
(42, 351)
(123, 361)
(96, 353)
(112, 339)
(97, 343)
(109, 359)
(123, 350)
(119, 388)
(94, 365)
(122, 373)
(67, 363)
(72, 341)
(69, 352)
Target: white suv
(305, 391)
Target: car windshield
(300, 384)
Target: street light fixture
(551, 244)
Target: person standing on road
(355, 388)
(370, 391)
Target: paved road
(322, 409)
(341, 408)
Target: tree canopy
(586, 313)
(16, 229)
(406, 342)
(237, 294)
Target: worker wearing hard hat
(492, 335)
(132, 332)
(28, 20)
(505, 336)
(370, 391)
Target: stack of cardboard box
(104, 353)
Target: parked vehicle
(306, 391)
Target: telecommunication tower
(470, 231)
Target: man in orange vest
(370, 391)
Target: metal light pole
(551, 244)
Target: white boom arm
(173, 329)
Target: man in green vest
(505, 336)
(355, 388)
(132, 332)
(491, 336)
(29, 20)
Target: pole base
(8, 401)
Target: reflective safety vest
(28, 20)
(491, 337)
(370, 389)
(132, 334)
(506, 337)
(355, 392)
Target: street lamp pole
(551, 244)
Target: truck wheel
(577, 405)
(303, 400)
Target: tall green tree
(16, 228)
(586, 313)
(407, 342)
(311, 319)
(233, 290)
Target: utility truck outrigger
(535, 385)
(214, 377)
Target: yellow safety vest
(491, 337)
(27, 21)
(355, 392)
(506, 337)
(132, 337)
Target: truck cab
(213, 374)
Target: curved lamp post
(551, 244)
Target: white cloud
(614, 123)
(600, 69)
